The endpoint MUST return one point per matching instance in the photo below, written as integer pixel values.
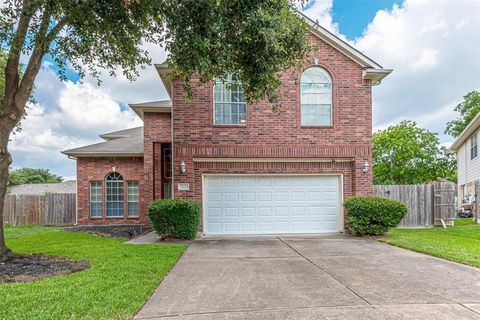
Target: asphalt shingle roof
(69, 186)
(127, 142)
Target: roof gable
(469, 130)
(340, 45)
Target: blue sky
(432, 45)
(353, 16)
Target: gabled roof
(469, 130)
(154, 106)
(341, 45)
(126, 143)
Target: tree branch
(43, 40)
(13, 60)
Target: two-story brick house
(252, 170)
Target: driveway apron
(312, 277)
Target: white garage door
(271, 204)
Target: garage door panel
(271, 204)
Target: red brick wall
(157, 129)
(280, 135)
(95, 169)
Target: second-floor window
(316, 97)
(229, 103)
(473, 146)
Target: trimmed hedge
(177, 218)
(372, 215)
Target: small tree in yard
(253, 40)
(32, 175)
(407, 154)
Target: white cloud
(433, 47)
(321, 11)
(68, 115)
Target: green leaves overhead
(254, 40)
(468, 109)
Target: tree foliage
(252, 39)
(407, 154)
(468, 109)
(32, 175)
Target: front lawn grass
(121, 278)
(460, 243)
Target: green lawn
(460, 243)
(121, 278)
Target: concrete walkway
(322, 277)
(147, 238)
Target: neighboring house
(468, 166)
(253, 171)
(69, 186)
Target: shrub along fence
(427, 204)
(57, 209)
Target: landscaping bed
(112, 231)
(25, 267)
(460, 243)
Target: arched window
(229, 103)
(316, 97)
(114, 195)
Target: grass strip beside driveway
(121, 278)
(460, 243)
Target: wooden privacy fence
(427, 204)
(57, 209)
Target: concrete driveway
(321, 277)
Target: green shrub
(371, 215)
(175, 218)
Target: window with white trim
(473, 146)
(316, 97)
(132, 198)
(230, 107)
(96, 199)
(114, 195)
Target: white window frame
(114, 182)
(303, 120)
(94, 197)
(239, 104)
(473, 146)
(133, 198)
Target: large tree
(32, 175)
(468, 109)
(252, 39)
(406, 154)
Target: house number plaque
(184, 187)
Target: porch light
(183, 167)
(365, 167)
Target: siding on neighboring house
(468, 170)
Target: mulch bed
(111, 231)
(26, 268)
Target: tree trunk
(5, 161)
